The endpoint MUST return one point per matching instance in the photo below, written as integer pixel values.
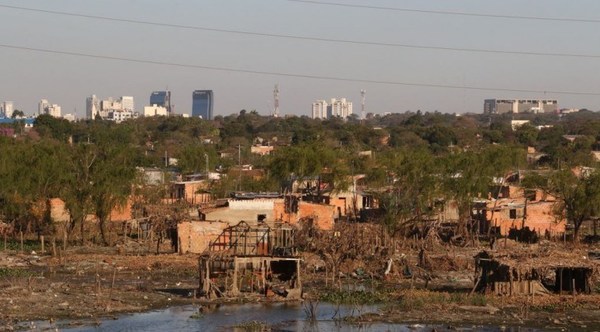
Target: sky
(255, 63)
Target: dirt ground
(88, 283)
(84, 284)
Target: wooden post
(42, 240)
(299, 281)
(560, 281)
(65, 240)
(53, 246)
(21, 235)
(235, 289)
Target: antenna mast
(276, 101)
(363, 94)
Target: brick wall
(195, 236)
(539, 217)
(323, 215)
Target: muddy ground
(88, 283)
(84, 284)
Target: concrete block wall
(195, 236)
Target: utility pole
(206, 160)
(240, 167)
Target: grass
(252, 326)
(354, 297)
(28, 245)
(413, 299)
(7, 272)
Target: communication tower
(363, 93)
(276, 101)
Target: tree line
(417, 158)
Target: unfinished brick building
(245, 260)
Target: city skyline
(444, 56)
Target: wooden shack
(527, 273)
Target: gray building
(501, 106)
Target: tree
(17, 114)
(469, 174)
(113, 179)
(579, 197)
(527, 134)
(414, 191)
(309, 160)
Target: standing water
(278, 316)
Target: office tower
(202, 104)
(163, 99)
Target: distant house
(192, 191)
(517, 209)
(262, 150)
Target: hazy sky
(28, 76)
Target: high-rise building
(127, 103)
(111, 109)
(202, 104)
(336, 108)
(340, 108)
(162, 99)
(8, 109)
(500, 106)
(44, 107)
(319, 109)
(92, 107)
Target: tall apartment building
(110, 109)
(92, 107)
(7, 109)
(501, 106)
(202, 104)
(127, 103)
(319, 109)
(44, 107)
(336, 108)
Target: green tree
(579, 197)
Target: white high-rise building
(92, 107)
(8, 109)
(111, 109)
(340, 108)
(155, 110)
(336, 108)
(127, 103)
(44, 107)
(319, 109)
